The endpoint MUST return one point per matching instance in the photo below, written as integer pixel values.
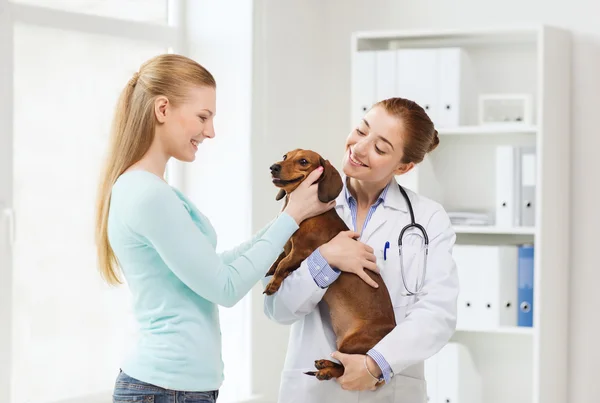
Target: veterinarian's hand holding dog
(356, 376)
(303, 201)
(346, 254)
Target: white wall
(222, 42)
(6, 128)
(290, 110)
(302, 99)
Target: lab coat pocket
(383, 394)
(401, 305)
(296, 387)
(292, 386)
(409, 390)
(392, 276)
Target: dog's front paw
(272, 287)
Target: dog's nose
(275, 168)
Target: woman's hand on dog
(304, 202)
(355, 375)
(347, 254)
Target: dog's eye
(284, 157)
(303, 161)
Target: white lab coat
(424, 324)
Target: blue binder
(525, 291)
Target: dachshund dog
(361, 315)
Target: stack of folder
(496, 286)
(469, 218)
(438, 79)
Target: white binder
(455, 90)
(469, 301)
(385, 76)
(457, 378)
(507, 194)
(527, 189)
(498, 286)
(417, 78)
(363, 84)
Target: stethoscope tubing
(413, 224)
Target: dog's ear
(280, 195)
(330, 182)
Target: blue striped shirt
(324, 274)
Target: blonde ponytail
(132, 134)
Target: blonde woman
(165, 247)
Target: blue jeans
(128, 390)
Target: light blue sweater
(166, 249)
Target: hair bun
(435, 141)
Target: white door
(62, 66)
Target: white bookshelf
(487, 130)
(492, 230)
(514, 330)
(517, 364)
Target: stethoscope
(419, 286)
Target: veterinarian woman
(165, 247)
(393, 137)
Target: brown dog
(360, 314)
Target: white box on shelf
(505, 109)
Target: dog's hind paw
(326, 370)
(320, 364)
(322, 374)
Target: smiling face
(181, 128)
(374, 149)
